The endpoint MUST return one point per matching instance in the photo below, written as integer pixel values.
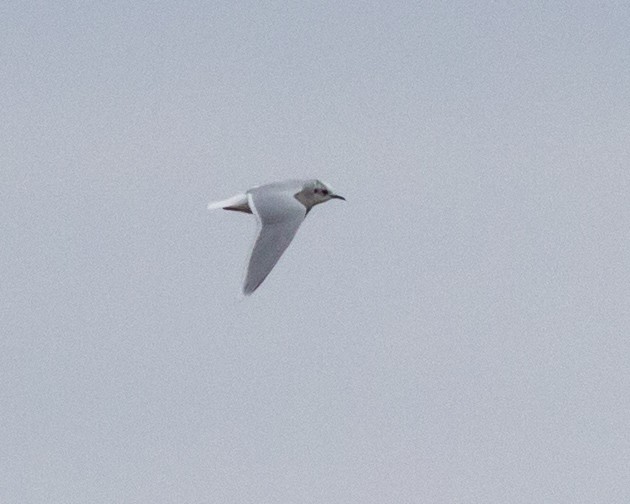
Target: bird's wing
(279, 216)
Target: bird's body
(280, 208)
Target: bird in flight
(279, 208)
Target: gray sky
(456, 332)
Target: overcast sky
(456, 332)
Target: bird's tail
(238, 202)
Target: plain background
(457, 331)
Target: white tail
(240, 200)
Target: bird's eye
(315, 191)
(325, 192)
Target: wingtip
(249, 287)
(248, 290)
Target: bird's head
(315, 192)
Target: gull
(279, 208)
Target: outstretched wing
(279, 216)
